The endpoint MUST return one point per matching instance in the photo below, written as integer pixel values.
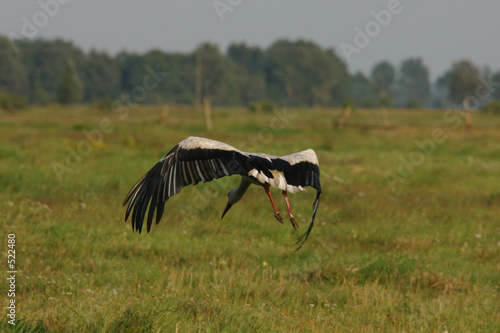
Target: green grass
(394, 249)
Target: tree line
(292, 73)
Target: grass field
(407, 236)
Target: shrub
(10, 102)
(349, 103)
(492, 107)
(263, 105)
(103, 104)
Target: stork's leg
(276, 213)
(292, 219)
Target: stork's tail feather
(302, 239)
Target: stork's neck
(236, 194)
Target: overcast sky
(440, 32)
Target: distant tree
(70, 86)
(249, 72)
(45, 61)
(218, 76)
(132, 68)
(383, 75)
(440, 93)
(462, 81)
(177, 87)
(101, 77)
(251, 58)
(495, 78)
(249, 86)
(362, 90)
(301, 73)
(414, 82)
(338, 86)
(294, 73)
(13, 73)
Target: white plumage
(198, 159)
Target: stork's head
(232, 198)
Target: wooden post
(468, 121)
(198, 74)
(258, 108)
(345, 117)
(385, 118)
(208, 113)
(164, 114)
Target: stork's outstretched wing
(191, 161)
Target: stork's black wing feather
(305, 174)
(302, 169)
(192, 161)
(302, 239)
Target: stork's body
(198, 159)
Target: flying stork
(198, 159)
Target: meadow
(407, 237)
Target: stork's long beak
(229, 205)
